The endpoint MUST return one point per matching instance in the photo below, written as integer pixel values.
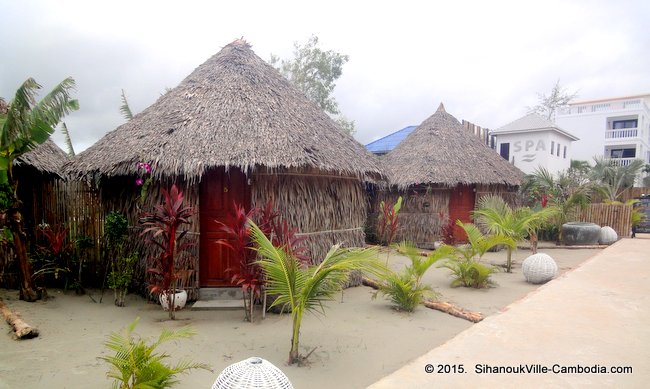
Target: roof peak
(441, 108)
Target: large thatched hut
(441, 171)
(236, 130)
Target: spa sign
(528, 145)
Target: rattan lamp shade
(252, 373)
(539, 268)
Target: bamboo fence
(616, 216)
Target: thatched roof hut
(236, 130)
(46, 159)
(440, 151)
(441, 170)
(235, 110)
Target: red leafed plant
(248, 274)
(389, 220)
(165, 223)
(447, 229)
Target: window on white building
(619, 124)
(504, 151)
(564, 152)
(558, 150)
(552, 147)
(622, 153)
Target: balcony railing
(622, 133)
(616, 105)
(621, 161)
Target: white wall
(590, 129)
(531, 150)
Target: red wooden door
(218, 191)
(461, 203)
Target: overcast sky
(486, 60)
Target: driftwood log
(453, 310)
(441, 306)
(22, 329)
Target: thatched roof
(47, 158)
(233, 110)
(440, 151)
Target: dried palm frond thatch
(235, 110)
(440, 151)
(47, 158)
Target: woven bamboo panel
(616, 216)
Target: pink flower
(139, 181)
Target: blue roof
(390, 141)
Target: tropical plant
(389, 220)
(464, 262)
(24, 124)
(612, 179)
(302, 288)
(165, 224)
(562, 192)
(137, 364)
(246, 274)
(405, 289)
(120, 263)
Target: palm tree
(301, 289)
(464, 262)
(611, 180)
(497, 217)
(405, 289)
(24, 124)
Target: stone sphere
(539, 268)
(607, 235)
(580, 233)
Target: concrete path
(594, 317)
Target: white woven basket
(539, 268)
(252, 373)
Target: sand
(358, 341)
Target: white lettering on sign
(529, 145)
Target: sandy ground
(357, 342)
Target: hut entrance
(219, 189)
(461, 203)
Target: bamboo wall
(616, 216)
(425, 210)
(327, 209)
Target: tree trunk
(27, 289)
(453, 310)
(509, 261)
(294, 354)
(22, 329)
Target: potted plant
(164, 224)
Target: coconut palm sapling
(137, 364)
(405, 289)
(303, 288)
(464, 263)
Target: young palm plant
(302, 288)
(464, 264)
(405, 289)
(137, 365)
(498, 218)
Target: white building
(617, 128)
(532, 142)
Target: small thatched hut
(236, 130)
(41, 186)
(441, 170)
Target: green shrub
(469, 273)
